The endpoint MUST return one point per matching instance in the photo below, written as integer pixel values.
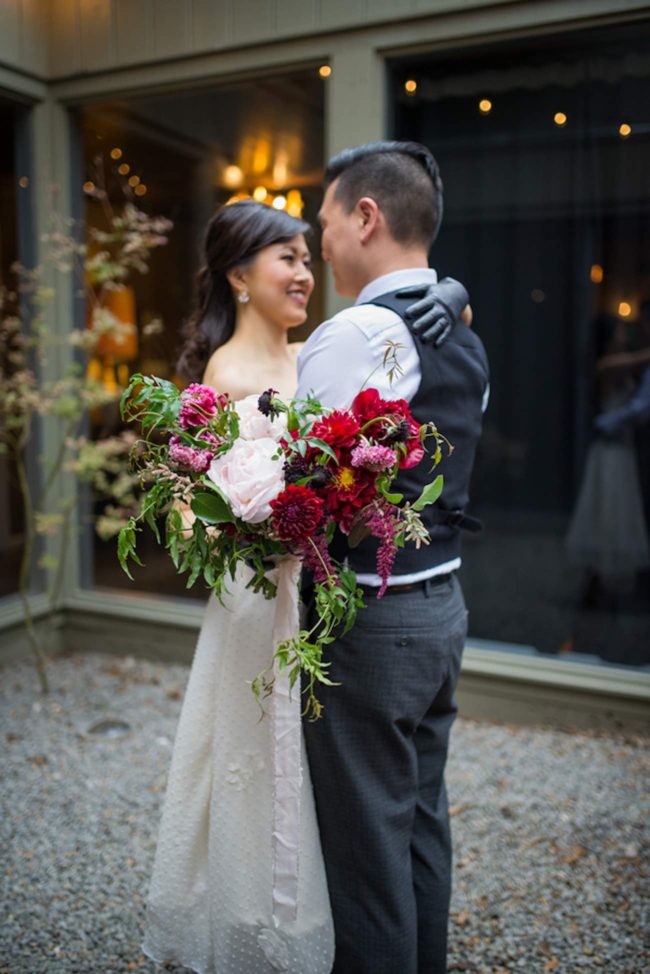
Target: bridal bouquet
(266, 479)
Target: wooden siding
(89, 36)
(23, 35)
(57, 39)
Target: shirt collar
(394, 280)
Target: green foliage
(28, 395)
(429, 495)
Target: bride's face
(279, 281)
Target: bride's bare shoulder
(225, 374)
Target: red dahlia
(297, 511)
(338, 429)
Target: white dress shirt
(345, 354)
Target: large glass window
(181, 155)
(544, 148)
(12, 183)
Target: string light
(260, 193)
(537, 295)
(88, 186)
(279, 202)
(624, 130)
(23, 182)
(624, 309)
(485, 106)
(596, 274)
(560, 119)
(410, 86)
(124, 169)
(134, 180)
(116, 153)
(325, 71)
(140, 190)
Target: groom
(378, 754)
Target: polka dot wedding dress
(213, 897)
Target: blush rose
(249, 477)
(253, 424)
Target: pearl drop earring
(243, 297)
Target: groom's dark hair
(402, 178)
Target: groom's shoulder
(363, 318)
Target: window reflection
(181, 155)
(545, 154)
(11, 183)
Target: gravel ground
(550, 828)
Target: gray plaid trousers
(377, 760)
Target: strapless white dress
(216, 903)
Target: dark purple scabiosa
(265, 403)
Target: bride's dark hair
(234, 235)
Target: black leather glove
(435, 314)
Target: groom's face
(340, 244)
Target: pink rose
(199, 405)
(249, 477)
(254, 425)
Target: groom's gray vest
(451, 392)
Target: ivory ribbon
(284, 713)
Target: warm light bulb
(134, 180)
(23, 182)
(124, 169)
(260, 193)
(324, 71)
(537, 295)
(410, 86)
(88, 186)
(140, 190)
(233, 177)
(116, 153)
(596, 274)
(279, 202)
(295, 203)
(624, 309)
(624, 130)
(560, 119)
(485, 106)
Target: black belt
(422, 585)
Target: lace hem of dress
(245, 949)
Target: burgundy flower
(316, 558)
(297, 512)
(383, 525)
(350, 489)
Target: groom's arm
(335, 363)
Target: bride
(215, 889)
(211, 900)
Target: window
(180, 155)
(14, 183)
(544, 149)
